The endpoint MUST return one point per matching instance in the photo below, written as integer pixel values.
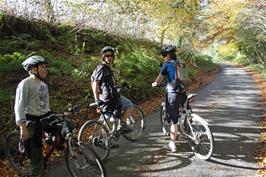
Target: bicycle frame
(112, 131)
(185, 117)
(68, 137)
(73, 147)
(51, 149)
(193, 127)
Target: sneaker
(112, 119)
(172, 146)
(49, 140)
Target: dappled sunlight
(233, 113)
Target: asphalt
(232, 106)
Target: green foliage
(66, 38)
(192, 73)
(57, 66)
(5, 97)
(205, 62)
(73, 55)
(251, 35)
(19, 43)
(86, 68)
(229, 49)
(193, 58)
(241, 59)
(11, 62)
(259, 68)
(79, 74)
(137, 66)
(1, 20)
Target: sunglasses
(109, 56)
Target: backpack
(182, 73)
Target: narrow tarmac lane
(232, 106)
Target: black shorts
(173, 100)
(113, 107)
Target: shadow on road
(234, 166)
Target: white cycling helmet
(33, 61)
(107, 49)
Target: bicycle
(98, 133)
(80, 158)
(192, 127)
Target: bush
(11, 62)
(241, 59)
(192, 73)
(138, 67)
(205, 62)
(57, 66)
(5, 97)
(257, 67)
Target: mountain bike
(99, 133)
(193, 127)
(80, 158)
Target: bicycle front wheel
(203, 144)
(94, 133)
(82, 160)
(16, 158)
(135, 123)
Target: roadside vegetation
(72, 57)
(241, 30)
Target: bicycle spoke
(135, 123)
(85, 162)
(94, 134)
(17, 159)
(203, 144)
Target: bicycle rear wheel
(163, 119)
(16, 158)
(135, 123)
(203, 145)
(82, 160)
(94, 133)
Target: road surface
(232, 106)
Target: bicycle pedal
(192, 148)
(49, 141)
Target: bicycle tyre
(204, 145)
(163, 119)
(135, 122)
(94, 133)
(83, 161)
(17, 160)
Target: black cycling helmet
(34, 60)
(167, 49)
(107, 49)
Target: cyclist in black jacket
(104, 88)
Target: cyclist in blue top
(175, 94)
